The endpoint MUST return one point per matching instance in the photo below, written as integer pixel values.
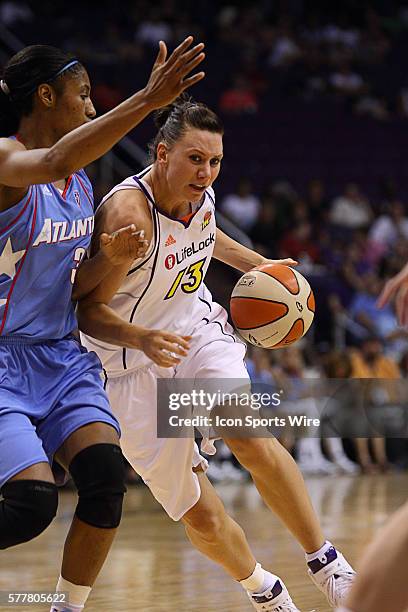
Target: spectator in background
(337, 365)
(293, 376)
(286, 49)
(382, 323)
(267, 231)
(345, 81)
(242, 207)
(351, 210)
(154, 28)
(388, 228)
(239, 98)
(317, 202)
(259, 366)
(369, 362)
(299, 242)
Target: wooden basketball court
(153, 568)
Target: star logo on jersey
(206, 220)
(170, 240)
(8, 260)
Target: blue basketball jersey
(43, 239)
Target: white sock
(259, 580)
(318, 553)
(77, 595)
(343, 610)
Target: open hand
(164, 348)
(124, 246)
(168, 77)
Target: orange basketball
(272, 306)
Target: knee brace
(27, 508)
(98, 472)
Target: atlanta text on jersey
(58, 231)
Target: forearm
(101, 322)
(89, 275)
(92, 140)
(235, 254)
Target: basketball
(272, 306)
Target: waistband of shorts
(27, 340)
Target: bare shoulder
(10, 195)
(9, 145)
(123, 208)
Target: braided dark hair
(172, 122)
(21, 76)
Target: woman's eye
(195, 158)
(215, 162)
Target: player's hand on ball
(125, 245)
(168, 78)
(164, 348)
(283, 262)
(397, 287)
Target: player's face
(193, 164)
(73, 105)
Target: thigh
(81, 412)
(21, 452)
(165, 464)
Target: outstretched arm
(20, 167)
(240, 257)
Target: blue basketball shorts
(47, 391)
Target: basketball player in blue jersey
(173, 201)
(52, 402)
(381, 583)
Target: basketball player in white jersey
(382, 581)
(173, 201)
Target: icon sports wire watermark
(346, 408)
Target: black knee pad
(27, 508)
(99, 475)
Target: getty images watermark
(346, 408)
(199, 400)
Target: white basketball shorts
(166, 464)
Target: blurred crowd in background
(314, 96)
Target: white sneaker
(274, 599)
(346, 465)
(332, 575)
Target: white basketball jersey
(165, 289)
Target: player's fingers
(129, 230)
(161, 55)
(187, 68)
(104, 239)
(289, 262)
(179, 51)
(405, 311)
(173, 347)
(192, 80)
(399, 307)
(174, 339)
(188, 56)
(386, 294)
(165, 360)
(139, 234)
